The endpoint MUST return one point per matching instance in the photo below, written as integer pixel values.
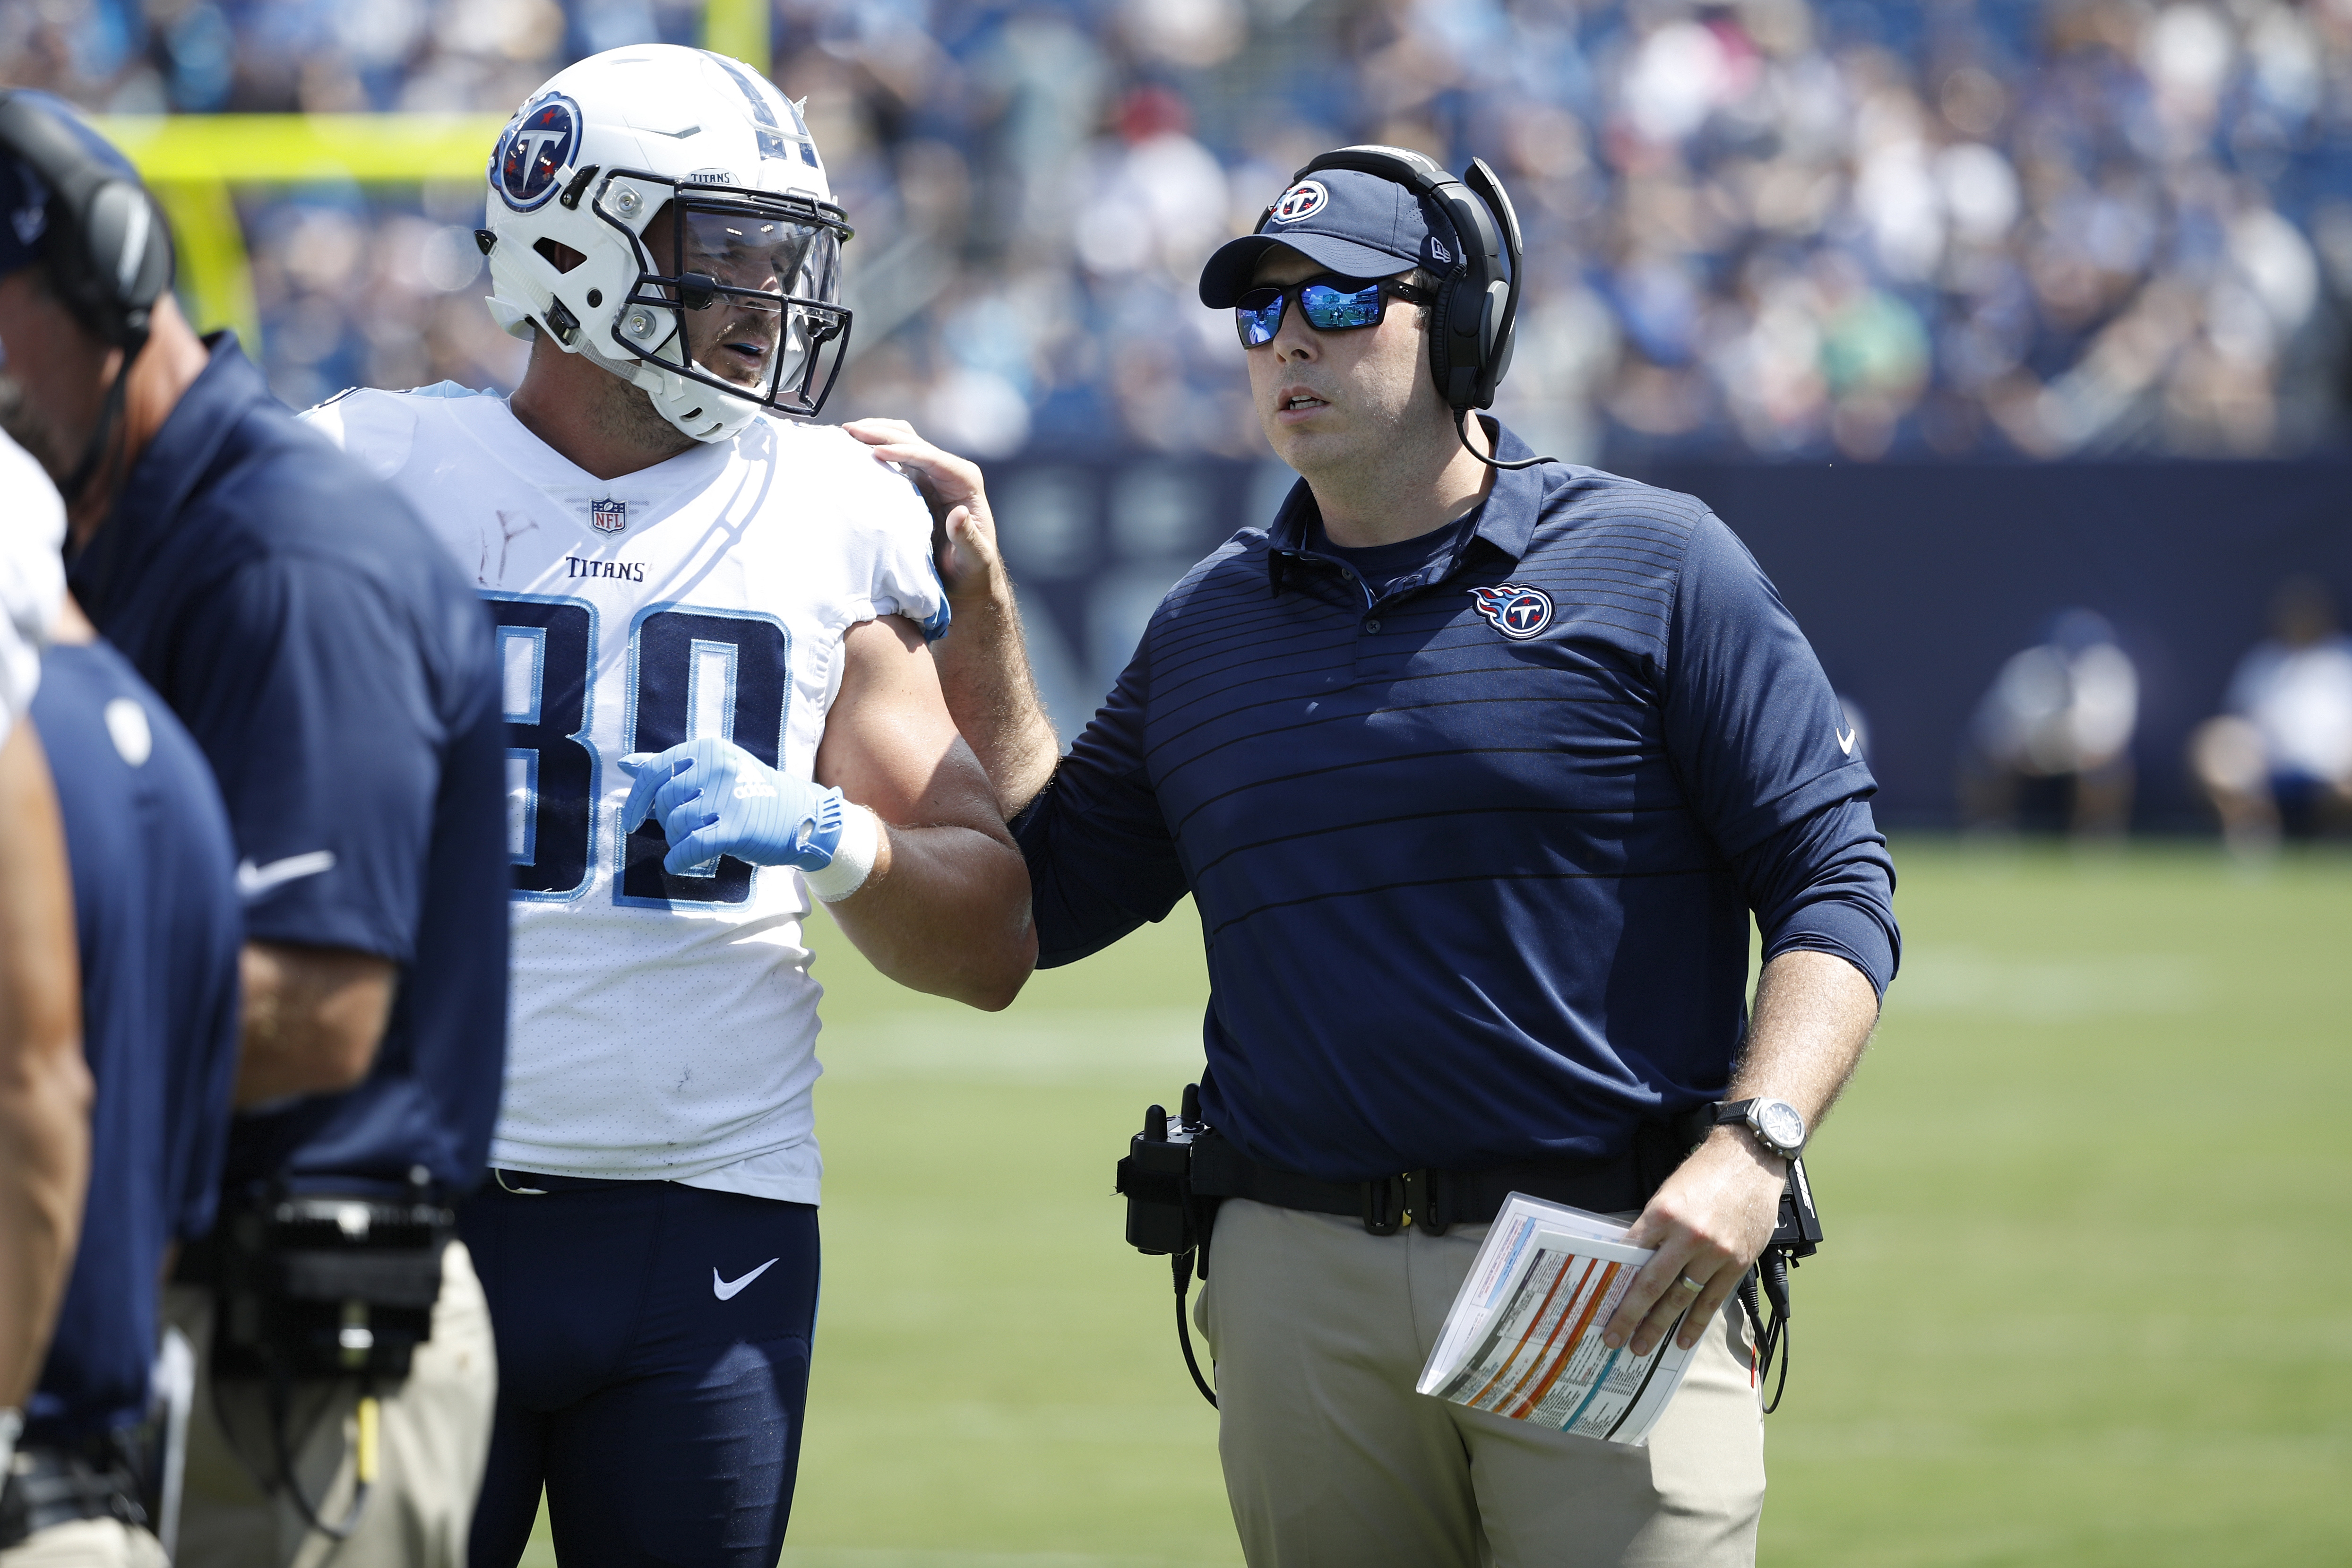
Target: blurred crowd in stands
(1816, 228)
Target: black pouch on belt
(323, 1285)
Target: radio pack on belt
(1164, 1219)
(326, 1286)
(1179, 1170)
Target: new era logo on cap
(1302, 200)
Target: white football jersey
(662, 1026)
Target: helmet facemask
(737, 289)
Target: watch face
(1780, 1123)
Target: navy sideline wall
(1915, 582)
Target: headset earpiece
(1477, 303)
(1472, 325)
(127, 244)
(1505, 334)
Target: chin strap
(1462, 430)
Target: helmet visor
(755, 284)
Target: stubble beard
(626, 414)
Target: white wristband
(12, 1426)
(852, 857)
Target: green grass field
(2083, 1300)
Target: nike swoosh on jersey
(727, 1289)
(253, 880)
(1845, 742)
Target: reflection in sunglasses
(1331, 304)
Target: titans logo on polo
(1518, 613)
(541, 141)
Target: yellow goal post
(192, 161)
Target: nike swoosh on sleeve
(253, 880)
(727, 1289)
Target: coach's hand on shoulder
(1709, 1222)
(964, 531)
(713, 798)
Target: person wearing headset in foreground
(1475, 765)
(339, 678)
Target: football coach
(339, 676)
(1476, 766)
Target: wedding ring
(1694, 1284)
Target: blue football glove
(714, 798)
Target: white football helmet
(654, 177)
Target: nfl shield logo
(608, 516)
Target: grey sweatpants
(1320, 1330)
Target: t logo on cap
(1303, 200)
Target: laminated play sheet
(1522, 1337)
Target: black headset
(108, 249)
(1477, 308)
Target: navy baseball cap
(1357, 225)
(25, 195)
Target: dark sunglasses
(1332, 303)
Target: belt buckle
(1423, 1202)
(1384, 1205)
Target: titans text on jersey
(663, 1026)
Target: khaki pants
(1320, 1330)
(86, 1543)
(435, 1437)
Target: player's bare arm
(983, 669)
(314, 1018)
(45, 1086)
(1815, 1013)
(946, 908)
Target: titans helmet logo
(542, 140)
(1518, 613)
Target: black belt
(1437, 1201)
(53, 1486)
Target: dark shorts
(662, 1416)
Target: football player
(712, 623)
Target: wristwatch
(1778, 1125)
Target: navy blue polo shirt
(340, 676)
(1474, 854)
(157, 922)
